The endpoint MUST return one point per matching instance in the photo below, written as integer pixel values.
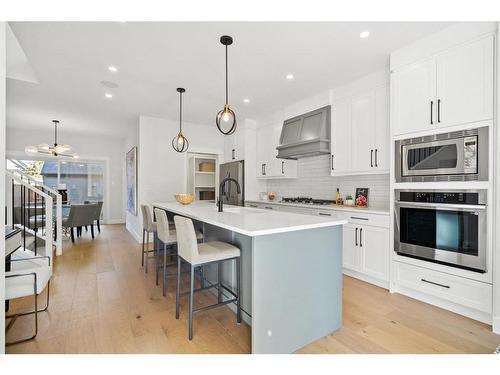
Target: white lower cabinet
(459, 294)
(366, 253)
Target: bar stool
(197, 255)
(148, 226)
(169, 239)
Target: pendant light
(180, 142)
(56, 150)
(226, 119)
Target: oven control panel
(440, 197)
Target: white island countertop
(246, 220)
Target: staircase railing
(32, 210)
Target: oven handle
(449, 207)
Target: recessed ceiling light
(289, 76)
(112, 68)
(364, 34)
(108, 95)
(246, 100)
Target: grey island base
(291, 271)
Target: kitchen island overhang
(291, 270)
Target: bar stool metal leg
(191, 295)
(147, 249)
(164, 269)
(219, 282)
(157, 256)
(238, 289)
(143, 235)
(177, 290)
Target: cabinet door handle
(432, 110)
(360, 237)
(282, 167)
(433, 283)
(359, 218)
(264, 168)
(356, 237)
(332, 164)
(376, 158)
(232, 154)
(439, 110)
(371, 158)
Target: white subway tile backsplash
(314, 180)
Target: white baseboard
(134, 234)
(496, 325)
(114, 221)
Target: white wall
(161, 170)
(92, 147)
(2, 185)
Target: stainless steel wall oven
(448, 227)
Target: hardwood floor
(103, 302)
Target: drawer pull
(268, 207)
(359, 218)
(356, 237)
(253, 205)
(433, 283)
(324, 214)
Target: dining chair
(79, 216)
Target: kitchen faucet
(222, 190)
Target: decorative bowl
(184, 198)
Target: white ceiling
(70, 59)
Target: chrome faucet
(222, 190)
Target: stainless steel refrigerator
(236, 170)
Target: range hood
(305, 135)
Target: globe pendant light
(226, 119)
(180, 142)
(56, 150)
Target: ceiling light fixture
(364, 34)
(226, 119)
(112, 68)
(180, 142)
(56, 150)
(289, 76)
(108, 95)
(246, 100)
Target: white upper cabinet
(234, 146)
(452, 88)
(363, 132)
(360, 133)
(465, 84)
(268, 165)
(413, 97)
(341, 160)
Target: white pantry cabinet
(234, 146)
(268, 165)
(360, 133)
(452, 88)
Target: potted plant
(349, 201)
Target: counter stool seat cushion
(214, 251)
(16, 287)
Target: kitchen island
(291, 270)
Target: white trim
(2, 180)
(368, 279)
(114, 221)
(134, 234)
(496, 325)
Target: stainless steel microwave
(455, 156)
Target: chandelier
(56, 150)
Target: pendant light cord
(226, 78)
(55, 133)
(180, 112)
